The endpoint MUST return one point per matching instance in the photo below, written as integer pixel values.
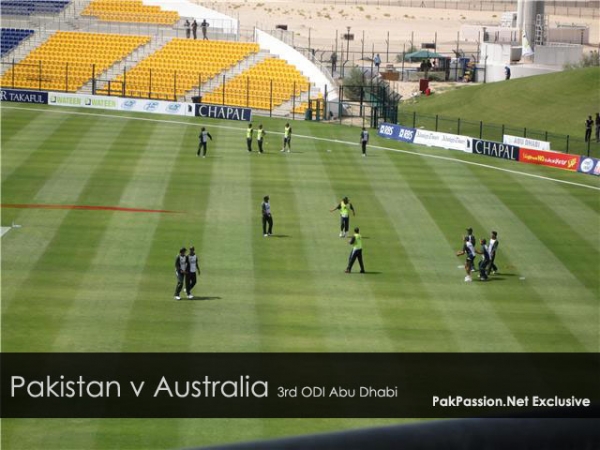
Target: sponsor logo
(173, 108)
(66, 100)
(9, 95)
(590, 166)
(496, 149)
(526, 142)
(550, 159)
(223, 112)
(444, 140)
(587, 165)
(128, 104)
(151, 106)
(397, 132)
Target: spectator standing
(204, 26)
(267, 218)
(507, 72)
(333, 62)
(597, 127)
(194, 28)
(203, 138)
(188, 28)
(377, 62)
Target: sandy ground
(387, 30)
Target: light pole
(348, 44)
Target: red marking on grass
(86, 207)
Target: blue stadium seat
(31, 7)
(12, 37)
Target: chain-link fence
(495, 132)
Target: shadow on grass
(201, 298)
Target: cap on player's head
(266, 198)
(356, 230)
(346, 200)
(469, 230)
(182, 250)
(192, 248)
(494, 234)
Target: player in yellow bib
(356, 253)
(345, 207)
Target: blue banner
(223, 112)
(396, 132)
(495, 149)
(591, 166)
(13, 95)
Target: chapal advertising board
(495, 149)
(549, 159)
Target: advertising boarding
(83, 101)
(443, 140)
(591, 166)
(495, 149)
(21, 96)
(525, 142)
(153, 106)
(396, 132)
(223, 112)
(550, 159)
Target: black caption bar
(297, 385)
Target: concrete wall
(558, 55)
(570, 35)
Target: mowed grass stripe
(64, 186)
(537, 326)
(413, 314)
(441, 217)
(226, 318)
(340, 321)
(105, 298)
(23, 134)
(357, 292)
(283, 273)
(38, 160)
(565, 236)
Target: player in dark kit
(492, 249)
(203, 138)
(267, 218)
(249, 135)
(469, 250)
(181, 269)
(193, 267)
(364, 139)
(356, 253)
(485, 260)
